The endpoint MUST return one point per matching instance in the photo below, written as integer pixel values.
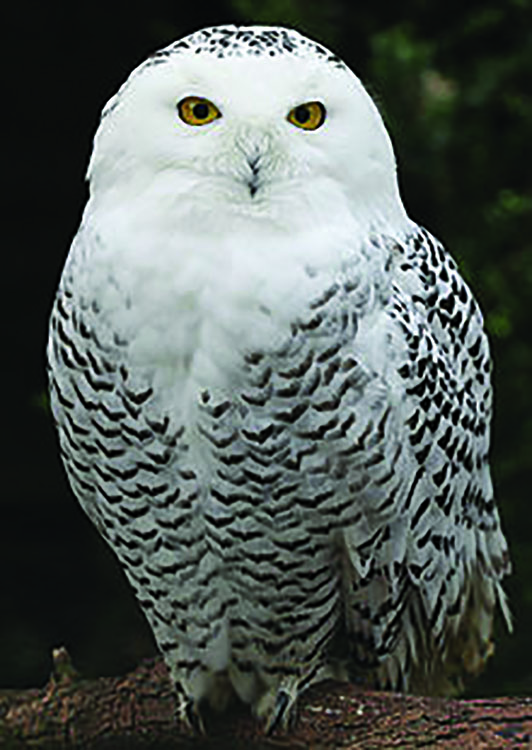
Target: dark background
(453, 81)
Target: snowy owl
(272, 387)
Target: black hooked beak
(253, 182)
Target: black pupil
(302, 114)
(200, 111)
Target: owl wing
(123, 453)
(422, 586)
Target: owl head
(259, 121)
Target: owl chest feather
(192, 307)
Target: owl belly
(267, 571)
(274, 494)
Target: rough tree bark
(137, 712)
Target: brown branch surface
(137, 711)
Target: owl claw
(190, 715)
(283, 712)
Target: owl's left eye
(195, 110)
(308, 116)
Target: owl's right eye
(195, 110)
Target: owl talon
(283, 713)
(190, 715)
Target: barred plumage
(272, 388)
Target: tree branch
(137, 711)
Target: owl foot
(278, 708)
(189, 714)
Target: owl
(272, 387)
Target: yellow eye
(194, 110)
(308, 116)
